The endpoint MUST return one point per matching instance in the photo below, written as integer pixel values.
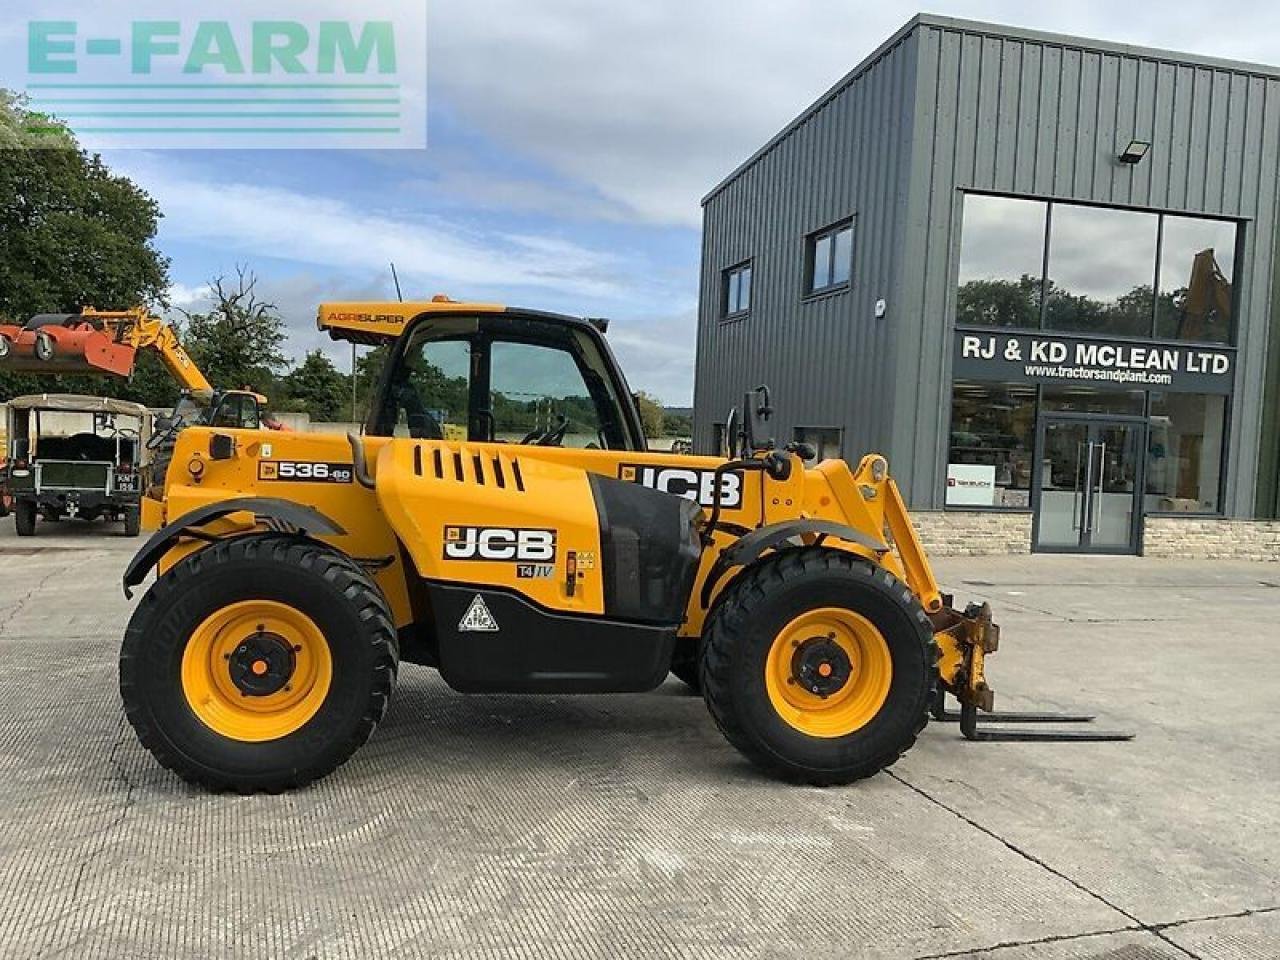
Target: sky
(569, 145)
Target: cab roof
(376, 321)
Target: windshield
(71, 423)
(187, 409)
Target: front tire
(259, 663)
(132, 520)
(819, 666)
(24, 518)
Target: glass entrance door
(1087, 486)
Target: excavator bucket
(63, 343)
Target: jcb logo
(696, 485)
(515, 544)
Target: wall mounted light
(1134, 152)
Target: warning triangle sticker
(477, 619)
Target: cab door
(537, 395)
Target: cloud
(657, 353)
(256, 222)
(652, 104)
(457, 181)
(187, 296)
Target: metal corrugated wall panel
(951, 106)
(986, 100)
(826, 359)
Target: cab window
(537, 395)
(237, 411)
(431, 391)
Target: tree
(999, 303)
(238, 342)
(651, 416)
(368, 371)
(72, 233)
(323, 391)
(677, 424)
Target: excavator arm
(99, 341)
(1207, 301)
(107, 342)
(139, 330)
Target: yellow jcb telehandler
(548, 552)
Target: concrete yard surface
(625, 826)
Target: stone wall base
(973, 534)
(1204, 538)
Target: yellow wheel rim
(256, 670)
(828, 672)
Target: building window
(1120, 403)
(992, 445)
(829, 258)
(1033, 264)
(736, 293)
(1001, 262)
(1197, 262)
(1102, 265)
(826, 442)
(1184, 452)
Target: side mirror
(222, 447)
(162, 424)
(758, 413)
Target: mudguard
(278, 514)
(750, 547)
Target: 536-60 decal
(304, 471)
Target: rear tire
(24, 518)
(684, 662)
(177, 684)
(132, 521)
(757, 641)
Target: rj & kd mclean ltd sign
(1091, 361)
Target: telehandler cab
(548, 552)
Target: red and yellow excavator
(107, 342)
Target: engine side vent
(467, 466)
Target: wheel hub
(261, 664)
(821, 666)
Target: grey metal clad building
(1037, 272)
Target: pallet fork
(971, 691)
